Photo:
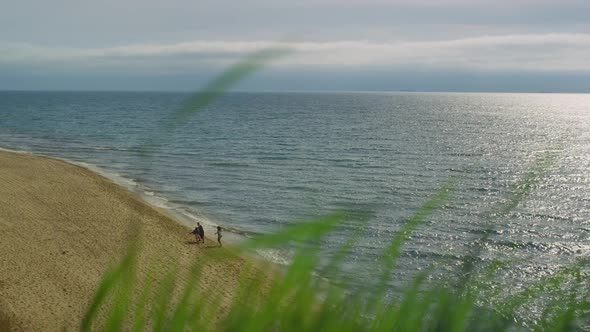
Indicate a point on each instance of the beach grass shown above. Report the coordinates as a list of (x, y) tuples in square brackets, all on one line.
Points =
[(297, 300)]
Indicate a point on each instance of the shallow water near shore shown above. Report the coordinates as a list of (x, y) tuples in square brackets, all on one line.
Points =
[(255, 162)]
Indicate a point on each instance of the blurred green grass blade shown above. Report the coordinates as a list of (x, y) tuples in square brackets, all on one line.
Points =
[(332, 269), (335, 261), (398, 316), (562, 316), (122, 299), (105, 286), (225, 81), (212, 90), (248, 291), (461, 313), (526, 185), (521, 189), (118, 311), (181, 311), (139, 313), (330, 310), (162, 302), (483, 283), (294, 282), (392, 252), (108, 284), (534, 291), (210, 311)]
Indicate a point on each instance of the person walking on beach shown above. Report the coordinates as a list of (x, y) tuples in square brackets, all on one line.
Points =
[(197, 235), (201, 232), (218, 232)]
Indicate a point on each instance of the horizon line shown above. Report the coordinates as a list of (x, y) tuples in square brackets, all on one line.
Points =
[(298, 91)]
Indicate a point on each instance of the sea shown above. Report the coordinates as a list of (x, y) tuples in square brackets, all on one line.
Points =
[(516, 168)]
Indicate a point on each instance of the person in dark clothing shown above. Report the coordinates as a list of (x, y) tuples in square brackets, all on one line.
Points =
[(201, 232), (198, 237)]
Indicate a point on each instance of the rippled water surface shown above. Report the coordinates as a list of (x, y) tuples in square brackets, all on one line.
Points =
[(257, 162)]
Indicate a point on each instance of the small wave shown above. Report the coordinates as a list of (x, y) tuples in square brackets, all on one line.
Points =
[(558, 248), (118, 178), (155, 200), (229, 164), (466, 154), (463, 170), (543, 216), (271, 158), (433, 255), (188, 202), (242, 232), (102, 148)]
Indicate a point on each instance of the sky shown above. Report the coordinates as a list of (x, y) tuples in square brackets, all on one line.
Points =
[(372, 45)]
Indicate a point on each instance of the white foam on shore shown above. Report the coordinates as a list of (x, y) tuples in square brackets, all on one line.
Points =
[(119, 179), (17, 151), (276, 256)]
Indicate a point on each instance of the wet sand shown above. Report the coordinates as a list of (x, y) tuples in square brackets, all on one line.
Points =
[(62, 226)]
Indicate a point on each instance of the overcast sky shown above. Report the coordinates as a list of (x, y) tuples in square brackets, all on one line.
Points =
[(442, 45)]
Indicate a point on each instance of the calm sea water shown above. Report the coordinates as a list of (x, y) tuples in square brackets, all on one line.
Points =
[(257, 162)]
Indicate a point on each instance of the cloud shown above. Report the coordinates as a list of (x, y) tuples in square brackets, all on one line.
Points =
[(442, 3), (380, 3), (539, 52)]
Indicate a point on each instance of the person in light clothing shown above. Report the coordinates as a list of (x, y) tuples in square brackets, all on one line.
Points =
[(218, 232)]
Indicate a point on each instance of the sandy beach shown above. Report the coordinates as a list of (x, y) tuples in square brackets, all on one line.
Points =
[(62, 226)]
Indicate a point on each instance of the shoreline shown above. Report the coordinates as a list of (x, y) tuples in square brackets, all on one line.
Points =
[(231, 235), (146, 194), (63, 225)]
